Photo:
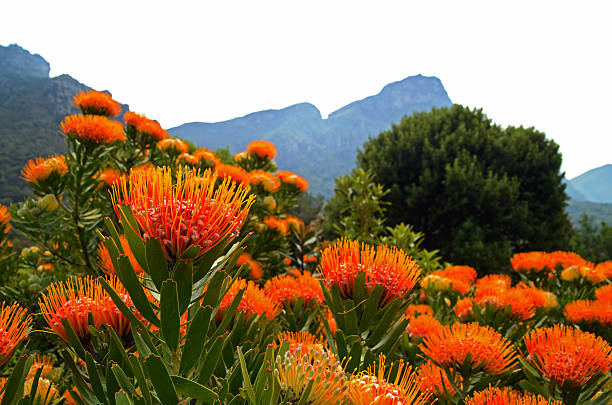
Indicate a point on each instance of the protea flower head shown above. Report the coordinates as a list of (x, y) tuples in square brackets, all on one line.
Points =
[(97, 103), (507, 396), (14, 327)]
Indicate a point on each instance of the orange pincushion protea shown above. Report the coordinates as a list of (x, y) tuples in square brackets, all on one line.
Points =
[(44, 362), (287, 288), (466, 274), (187, 159), (240, 155), (302, 339), (604, 293), (106, 264), (14, 327), (450, 345), (563, 353), (590, 312), (434, 380), (418, 309), (605, 268), (531, 261), (389, 267), (254, 301), (256, 270), (173, 145), (267, 180), (41, 169), (494, 280), (191, 213), (145, 126), (5, 217), (92, 129), (463, 308), (374, 388), (46, 391), (298, 225), (507, 396), (441, 281), (97, 103), (109, 176), (422, 326), (276, 223), (208, 156), (294, 179), (235, 173), (262, 149), (568, 259)]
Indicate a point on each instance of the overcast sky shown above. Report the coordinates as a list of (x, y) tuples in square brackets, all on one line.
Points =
[(532, 63)]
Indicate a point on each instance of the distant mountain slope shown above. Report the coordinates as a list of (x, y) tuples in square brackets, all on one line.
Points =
[(573, 192), (601, 212), (595, 185), (32, 104), (321, 149)]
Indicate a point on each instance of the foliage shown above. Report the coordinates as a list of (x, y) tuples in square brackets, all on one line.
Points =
[(592, 241), (479, 192)]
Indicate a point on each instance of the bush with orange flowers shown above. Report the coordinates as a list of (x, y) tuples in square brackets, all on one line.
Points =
[(97, 103)]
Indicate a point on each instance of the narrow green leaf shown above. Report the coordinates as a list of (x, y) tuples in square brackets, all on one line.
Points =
[(132, 234), (211, 359), (121, 305), (75, 342), (161, 380), (350, 318), (195, 338), (141, 379), (130, 281), (211, 296), (229, 314), (192, 389), (34, 386), (306, 393), (121, 398), (94, 379), (246, 378), (183, 275), (371, 307), (156, 262), (110, 226), (112, 386), (169, 311), (123, 380)]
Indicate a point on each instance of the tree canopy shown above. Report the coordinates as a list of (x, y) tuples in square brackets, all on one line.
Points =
[(479, 192)]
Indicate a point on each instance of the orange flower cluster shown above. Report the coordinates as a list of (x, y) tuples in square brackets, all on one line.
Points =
[(14, 327), (109, 176), (279, 224), (173, 145), (542, 261), (605, 268), (591, 312), (288, 289), (208, 156), (302, 339), (563, 353), (41, 169), (459, 278), (389, 267), (92, 129), (422, 326), (298, 225), (5, 217), (145, 126), (507, 396), (262, 149), (494, 281), (450, 345), (97, 103), (267, 180), (291, 178), (106, 264), (235, 173), (256, 270), (46, 391), (76, 299), (254, 301), (187, 159), (44, 362), (191, 213), (604, 293), (376, 388), (464, 308), (418, 309), (434, 380), (240, 155)]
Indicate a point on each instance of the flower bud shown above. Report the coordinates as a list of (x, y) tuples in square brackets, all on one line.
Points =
[(48, 203)]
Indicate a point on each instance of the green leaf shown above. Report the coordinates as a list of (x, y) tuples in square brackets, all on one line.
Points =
[(112, 386), (350, 318), (110, 226), (211, 359), (94, 379), (246, 379), (132, 234), (74, 340), (130, 281), (141, 379), (170, 318), (123, 380), (121, 398), (229, 313), (389, 313), (211, 296), (183, 275), (191, 252), (306, 393), (192, 389), (156, 262), (161, 380), (195, 338), (371, 307)]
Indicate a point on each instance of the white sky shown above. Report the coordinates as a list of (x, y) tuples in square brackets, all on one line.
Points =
[(546, 64)]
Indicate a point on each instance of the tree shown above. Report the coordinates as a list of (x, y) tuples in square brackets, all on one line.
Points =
[(478, 191)]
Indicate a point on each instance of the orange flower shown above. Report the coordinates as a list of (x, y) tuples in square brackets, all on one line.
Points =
[(563, 353), (280, 225), (208, 156), (97, 103), (191, 213), (14, 327), (46, 392), (302, 339), (44, 362), (235, 173), (41, 169), (589, 311), (466, 274), (289, 289), (297, 224), (291, 178), (173, 145), (605, 268), (287, 261), (450, 345), (92, 129), (105, 263), (376, 388), (441, 281), (240, 155), (422, 326), (254, 301), (187, 159), (267, 180), (494, 280), (389, 267), (147, 127), (256, 270), (568, 259), (507, 396), (109, 176), (5, 217), (262, 149), (604, 293), (418, 309), (435, 381), (593, 274)]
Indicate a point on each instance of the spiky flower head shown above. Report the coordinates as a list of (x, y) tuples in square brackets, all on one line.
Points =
[(187, 159), (590, 312), (92, 129), (192, 212), (207, 156), (40, 170), (109, 176), (422, 326), (277, 224), (254, 301), (235, 173), (41, 362), (149, 129), (414, 310), (5, 217), (434, 380), (382, 265), (14, 327), (289, 288), (97, 103), (256, 271), (464, 308), (507, 396), (294, 179), (494, 280), (565, 354), (450, 345), (262, 149), (267, 180), (46, 391), (173, 145), (106, 264), (604, 293), (375, 387)]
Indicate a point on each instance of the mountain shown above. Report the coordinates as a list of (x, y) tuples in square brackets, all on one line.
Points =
[(595, 185), (32, 104), (317, 148)]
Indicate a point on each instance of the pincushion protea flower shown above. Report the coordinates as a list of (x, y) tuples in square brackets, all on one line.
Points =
[(450, 345), (145, 126), (46, 391), (414, 310), (302, 339), (494, 280), (464, 308), (563, 353), (97, 103), (187, 159), (375, 388), (434, 380), (286, 288), (604, 293), (422, 326), (106, 264), (235, 173), (44, 362), (507, 396), (191, 213), (109, 176), (276, 223), (291, 178), (173, 145), (5, 217), (254, 301), (254, 266), (267, 180), (309, 361), (382, 265), (14, 327), (208, 156), (41, 169), (262, 149), (92, 129), (590, 312)]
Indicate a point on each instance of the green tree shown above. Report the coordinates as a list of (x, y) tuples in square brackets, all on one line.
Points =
[(592, 241), (478, 191)]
